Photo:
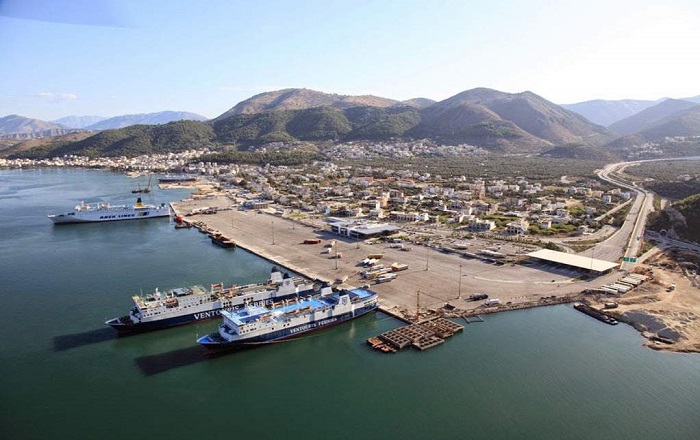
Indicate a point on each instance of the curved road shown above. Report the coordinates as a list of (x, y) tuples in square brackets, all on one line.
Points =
[(629, 236)]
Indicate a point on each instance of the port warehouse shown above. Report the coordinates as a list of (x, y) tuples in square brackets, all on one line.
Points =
[(586, 264), (361, 231)]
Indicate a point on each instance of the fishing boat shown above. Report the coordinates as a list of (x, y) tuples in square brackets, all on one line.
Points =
[(145, 190)]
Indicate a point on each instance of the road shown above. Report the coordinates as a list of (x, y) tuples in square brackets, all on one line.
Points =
[(629, 236)]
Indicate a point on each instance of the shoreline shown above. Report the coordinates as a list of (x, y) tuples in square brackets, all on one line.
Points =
[(432, 289)]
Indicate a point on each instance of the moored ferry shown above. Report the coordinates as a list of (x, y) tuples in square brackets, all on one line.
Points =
[(259, 325), (185, 305), (177, 178), (104, 212)]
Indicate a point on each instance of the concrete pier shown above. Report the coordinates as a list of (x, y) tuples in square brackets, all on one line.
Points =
[(441, 278)]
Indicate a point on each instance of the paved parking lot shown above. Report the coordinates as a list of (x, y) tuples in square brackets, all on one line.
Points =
[(439, 277)]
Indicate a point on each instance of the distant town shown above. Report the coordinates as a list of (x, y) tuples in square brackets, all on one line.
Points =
[(508, 205)]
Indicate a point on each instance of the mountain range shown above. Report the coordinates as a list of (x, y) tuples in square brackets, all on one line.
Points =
[(20, 127), (652, 116), (79, 121), (606, 113), (496, 121), (144, 119)]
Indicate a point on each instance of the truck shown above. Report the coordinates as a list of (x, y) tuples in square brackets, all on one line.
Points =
[(385, 278), (375, 256), (478, 296), (397, 267), (492, 302)]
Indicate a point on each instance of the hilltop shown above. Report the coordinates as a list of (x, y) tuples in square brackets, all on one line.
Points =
[(650, 117), (300, 99), (20, 127), (507, 122), (605, 112), (494, 121)]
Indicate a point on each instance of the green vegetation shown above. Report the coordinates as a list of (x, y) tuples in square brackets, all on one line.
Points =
[(645, 247), (534, 169), (555, 229), (386, 123), (683, 217), (289, 158), (673, 179), (317, 124), (551, 246), (133, 141)]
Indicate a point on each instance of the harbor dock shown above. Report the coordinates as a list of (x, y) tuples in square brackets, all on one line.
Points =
[(307, 247)]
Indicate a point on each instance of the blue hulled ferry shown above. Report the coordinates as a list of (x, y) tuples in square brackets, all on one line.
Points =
[(260, 325)]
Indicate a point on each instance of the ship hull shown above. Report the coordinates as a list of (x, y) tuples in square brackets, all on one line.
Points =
[(65, 220), (219, 344), (124, 326), (176, 179)]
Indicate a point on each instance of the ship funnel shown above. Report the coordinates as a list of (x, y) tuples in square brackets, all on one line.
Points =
[(139, 203)]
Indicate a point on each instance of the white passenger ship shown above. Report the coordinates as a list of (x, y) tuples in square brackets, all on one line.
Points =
[(104, 212), (185, 305), (259, 325)]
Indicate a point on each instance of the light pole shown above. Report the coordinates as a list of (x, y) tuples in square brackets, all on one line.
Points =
[(459, 289), (336, 255), (427, 264)]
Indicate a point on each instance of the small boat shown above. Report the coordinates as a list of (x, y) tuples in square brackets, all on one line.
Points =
[(145, 190)]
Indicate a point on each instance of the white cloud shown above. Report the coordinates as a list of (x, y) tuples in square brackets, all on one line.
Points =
[(54, 97)]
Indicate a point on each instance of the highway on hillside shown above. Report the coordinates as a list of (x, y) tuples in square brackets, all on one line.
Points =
[(629, 236)]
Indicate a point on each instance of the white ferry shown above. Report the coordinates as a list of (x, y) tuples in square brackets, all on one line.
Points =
[(259, 325), (104, 212), (185, 305)]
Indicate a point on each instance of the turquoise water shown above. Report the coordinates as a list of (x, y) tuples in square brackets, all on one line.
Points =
[(548, 373)]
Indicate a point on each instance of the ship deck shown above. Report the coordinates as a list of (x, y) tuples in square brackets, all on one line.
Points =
[(254, 313)]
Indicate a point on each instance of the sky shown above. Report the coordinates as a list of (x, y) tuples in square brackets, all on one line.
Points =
[(115, 57)]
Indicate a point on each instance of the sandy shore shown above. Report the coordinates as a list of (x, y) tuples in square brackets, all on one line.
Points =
[(666, 309)]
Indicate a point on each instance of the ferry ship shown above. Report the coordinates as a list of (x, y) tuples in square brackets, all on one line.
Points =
[(104, 212), (259, 325), (185, 305), (177, 179)]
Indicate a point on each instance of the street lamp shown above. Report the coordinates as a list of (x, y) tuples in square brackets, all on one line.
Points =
[(273, 232), (459, 289), (427, 265)]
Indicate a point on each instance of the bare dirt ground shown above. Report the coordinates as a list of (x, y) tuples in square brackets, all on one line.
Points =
[(665, 309)]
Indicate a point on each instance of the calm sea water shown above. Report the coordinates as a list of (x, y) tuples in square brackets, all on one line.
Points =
[(549, 373)]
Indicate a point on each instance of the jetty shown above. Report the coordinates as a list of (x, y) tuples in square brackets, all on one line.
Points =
[(424, 335)]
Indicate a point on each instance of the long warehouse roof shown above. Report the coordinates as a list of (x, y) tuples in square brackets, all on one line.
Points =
[(573, 260)]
